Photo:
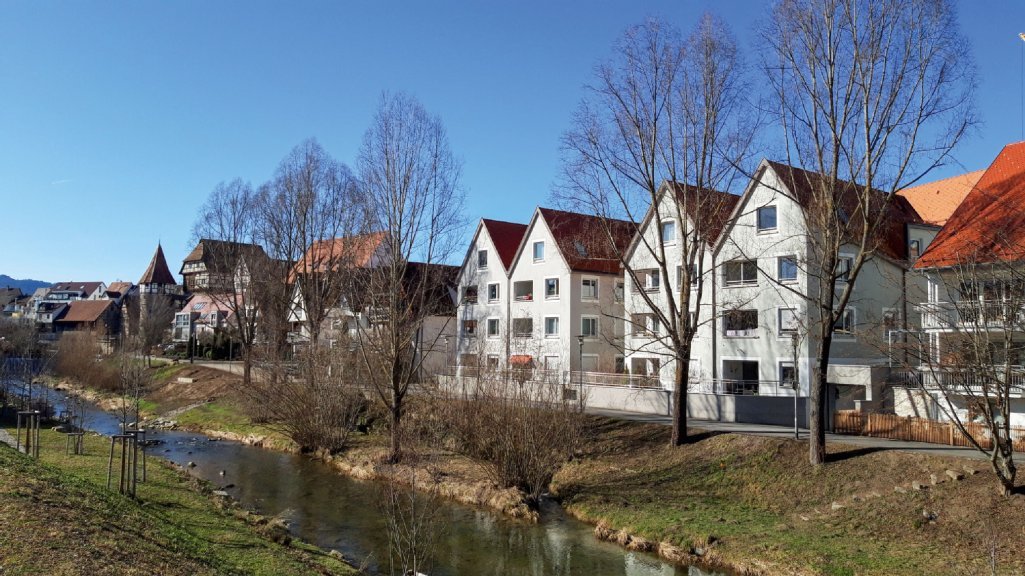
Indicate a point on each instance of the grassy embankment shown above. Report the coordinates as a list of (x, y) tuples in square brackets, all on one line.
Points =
[(58, 518), (749, 503)]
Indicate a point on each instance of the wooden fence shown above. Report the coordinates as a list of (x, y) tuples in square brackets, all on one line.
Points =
[(897, 427)]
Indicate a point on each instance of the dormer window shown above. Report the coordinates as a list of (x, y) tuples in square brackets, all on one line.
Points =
[(914, 249), (482, 259), (766, 217)]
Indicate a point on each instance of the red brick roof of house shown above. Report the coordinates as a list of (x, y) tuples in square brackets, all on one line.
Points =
[(351, 251), (506, 236), (85, 311), (119, 288), (892, 232), (86, 288), (157, 272), (589, 243), (989, 225), (711, 207), (936, 201)]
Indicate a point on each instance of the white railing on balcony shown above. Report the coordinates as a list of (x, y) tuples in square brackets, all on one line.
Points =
[(613, 379), (960, 380), (972, 314), (730, 387)]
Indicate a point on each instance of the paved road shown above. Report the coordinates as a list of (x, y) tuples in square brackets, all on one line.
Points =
[(865, 443)]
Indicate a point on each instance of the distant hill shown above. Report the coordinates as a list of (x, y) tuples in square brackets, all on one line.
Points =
[(27, 286)]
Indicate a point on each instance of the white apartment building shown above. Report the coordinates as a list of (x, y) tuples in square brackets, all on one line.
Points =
[(766, 331), (647, 344), (556, 305), (485, 295)]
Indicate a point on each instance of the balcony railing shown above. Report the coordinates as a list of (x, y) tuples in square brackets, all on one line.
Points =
[(973, 313), (965, 381), (614, 379)]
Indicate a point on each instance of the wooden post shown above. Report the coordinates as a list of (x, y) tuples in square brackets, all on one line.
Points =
[(110, 461)]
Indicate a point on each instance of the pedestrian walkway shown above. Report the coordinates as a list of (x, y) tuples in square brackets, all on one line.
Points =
[(863, 442)]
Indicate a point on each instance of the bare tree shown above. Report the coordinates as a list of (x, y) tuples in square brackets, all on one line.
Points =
[(228, 224), (871, 92), (664, 127), (409, 183)]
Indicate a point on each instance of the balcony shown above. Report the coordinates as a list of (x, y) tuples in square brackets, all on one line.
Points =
[(972, 314), (961, 381)]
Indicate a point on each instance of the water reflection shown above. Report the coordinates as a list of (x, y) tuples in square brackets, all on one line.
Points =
[(339, 513)]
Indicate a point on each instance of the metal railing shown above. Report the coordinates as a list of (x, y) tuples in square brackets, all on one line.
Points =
[(729, 387), (615, 379), (972, 313), (960, 380)]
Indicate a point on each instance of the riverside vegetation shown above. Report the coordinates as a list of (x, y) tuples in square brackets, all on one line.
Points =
[(748, 504)]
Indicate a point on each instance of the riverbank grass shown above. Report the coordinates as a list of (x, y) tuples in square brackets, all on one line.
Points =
[(59, 519)]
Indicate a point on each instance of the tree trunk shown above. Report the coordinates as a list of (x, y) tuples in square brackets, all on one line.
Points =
[(247, 369), (817, 402), (1003, 466), (395, 452), (680, 397)]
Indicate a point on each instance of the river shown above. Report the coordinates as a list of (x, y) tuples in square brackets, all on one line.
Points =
[(335, 512)]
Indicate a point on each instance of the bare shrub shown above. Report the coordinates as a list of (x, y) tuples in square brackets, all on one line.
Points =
[(317, 406), (413, 525), (521, 430), (78, 358)]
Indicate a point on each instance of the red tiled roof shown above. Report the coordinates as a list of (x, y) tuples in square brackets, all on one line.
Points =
[(350, 251), (584, 240), (119, 288), (86, 310), (989, 226), (892, 234), (710, 207), (157, 272), (506, 236), (936, 201)]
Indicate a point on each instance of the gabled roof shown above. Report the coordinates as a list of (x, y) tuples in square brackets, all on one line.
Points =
[(584, 240), (157, 272), (350, 251), (706, 205), (8, 295), (936, 201), (220, 256), (989, 226), (506, 236), (119, 288), (83, 287), (85, 310), (204, 303), (892, 235)]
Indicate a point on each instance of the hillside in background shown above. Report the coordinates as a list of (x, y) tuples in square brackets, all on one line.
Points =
[(27, 286)]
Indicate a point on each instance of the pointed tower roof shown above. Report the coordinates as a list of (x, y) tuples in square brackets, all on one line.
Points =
[(158, 272)]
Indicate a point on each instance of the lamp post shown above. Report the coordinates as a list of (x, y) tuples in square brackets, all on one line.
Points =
[(580, 373)]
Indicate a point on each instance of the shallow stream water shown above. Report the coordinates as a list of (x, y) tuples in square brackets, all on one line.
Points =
[(335, 512)]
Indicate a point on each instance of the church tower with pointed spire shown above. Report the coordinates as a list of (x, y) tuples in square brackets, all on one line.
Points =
[(158, 297)]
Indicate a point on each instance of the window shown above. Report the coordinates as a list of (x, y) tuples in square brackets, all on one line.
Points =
[(551, 326), (492, 361), (620, 365), (620, 290), (787, 321), (492, 327), (668, 231), (787, 374), (843, 268), (539, 251), (470, 294), (845, 324), (645, 325), (493, 292), (523, 290), (914, 249), (589, 327), (741, 273), (741, 323), (766, 217), (482, 259), (891, 318), (523, 327), (469, 327), (786, 268), (551, 288), (693, 275), (652, 280), (552, 362), (589, 289)]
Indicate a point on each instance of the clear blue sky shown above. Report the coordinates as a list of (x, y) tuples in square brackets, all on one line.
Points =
[(118, 118)]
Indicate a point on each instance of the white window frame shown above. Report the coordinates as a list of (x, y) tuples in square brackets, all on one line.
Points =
[(779, 269), (653, 280), (662, 227), (849, 334), (758, 219), (545, 361), (498, 292), (498, 327), (582, 284), (779, 322), (693, 275), (483, 253), (534, 250), (743, 264), (747, 332), (597, 327), (548, 334), (557, 289), (843, 278), (620, 291)]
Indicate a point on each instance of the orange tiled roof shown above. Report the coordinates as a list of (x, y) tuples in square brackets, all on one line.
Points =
[(936, 201), (989, 225), (324, 255)]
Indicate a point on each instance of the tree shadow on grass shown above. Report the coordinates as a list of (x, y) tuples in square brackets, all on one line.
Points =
[(697, 435), (854, 453)]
